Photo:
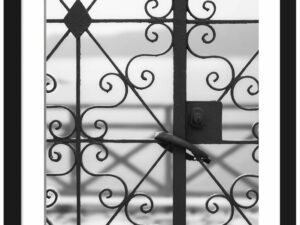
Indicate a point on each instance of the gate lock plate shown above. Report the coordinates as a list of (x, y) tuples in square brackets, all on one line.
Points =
[(204, 122)]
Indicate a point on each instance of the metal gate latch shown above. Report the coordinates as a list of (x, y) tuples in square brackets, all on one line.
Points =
[(167, 140)]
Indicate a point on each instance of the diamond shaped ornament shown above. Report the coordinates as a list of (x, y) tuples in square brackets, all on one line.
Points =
[(77, 20)]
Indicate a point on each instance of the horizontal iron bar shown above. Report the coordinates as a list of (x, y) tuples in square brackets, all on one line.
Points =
[(238, 142), (139, 141), (192, 200), (158, 20), (154, 106), (68, 140), (154, 126), (221, 21), (162, 20), (55, 21)]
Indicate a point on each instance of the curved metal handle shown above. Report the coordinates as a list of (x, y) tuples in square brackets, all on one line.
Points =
[(168, 140)]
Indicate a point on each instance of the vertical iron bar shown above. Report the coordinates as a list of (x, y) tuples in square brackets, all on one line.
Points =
[(179, 168), (78, 125)]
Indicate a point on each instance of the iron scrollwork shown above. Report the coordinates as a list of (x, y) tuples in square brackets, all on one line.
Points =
[(154, 4), (151, 36), (107, 86), (108, 193), (144, 208), (51, 83), (51, 196), (252, 90), (214, 77), (57, 125), (147, 77), (255, 134), (251, 195), (210, 201), (208, 37), (55, 155), (207, 5)]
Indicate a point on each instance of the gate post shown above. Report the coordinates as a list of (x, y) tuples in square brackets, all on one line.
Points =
[(179, 60)]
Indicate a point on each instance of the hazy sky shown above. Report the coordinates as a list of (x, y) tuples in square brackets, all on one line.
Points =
[(226, 9)]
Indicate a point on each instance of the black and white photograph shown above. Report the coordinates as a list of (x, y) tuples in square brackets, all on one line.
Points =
[(152, 112), (149, 112)]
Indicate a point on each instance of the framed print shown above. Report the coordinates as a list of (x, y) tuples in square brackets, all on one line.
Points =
[(129, 93), (148, 111)]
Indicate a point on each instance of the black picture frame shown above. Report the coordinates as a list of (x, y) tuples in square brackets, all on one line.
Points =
[(12, 112), (288, 112)]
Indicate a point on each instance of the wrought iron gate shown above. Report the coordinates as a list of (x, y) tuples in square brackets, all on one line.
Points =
[(76, 129)]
